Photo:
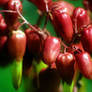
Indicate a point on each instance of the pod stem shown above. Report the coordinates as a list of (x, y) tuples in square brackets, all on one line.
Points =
[(70, 88), (67, 87), (17, 73)]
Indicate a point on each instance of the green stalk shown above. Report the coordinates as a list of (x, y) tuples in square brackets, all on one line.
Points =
[(17, 73), (67, 87)]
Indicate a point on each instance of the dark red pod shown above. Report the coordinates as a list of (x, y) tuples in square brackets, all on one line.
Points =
[(51, 49), (17, 44), (80, 18), (88, 4), (84, 62), (27, 62), (65, 66), (3, 40), (3, 25), (49, 80), (62, 6), (86, 38), (34, 42), (41, 4), (63, 25), (14, 5), (3, 2), (12, 18)]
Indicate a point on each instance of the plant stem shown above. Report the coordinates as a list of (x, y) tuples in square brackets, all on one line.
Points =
[(17, 73), (8, 11), (67, 87)]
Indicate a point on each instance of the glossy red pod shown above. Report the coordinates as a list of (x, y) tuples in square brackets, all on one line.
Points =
[(84, 62), (63, 25), (65, 66), (80, 18), (3, 25), (41, 4), (3, 2), (86, 38), (17, 44), (12, 18), (34, 42), (51, 49), (62, 6), (14, 5)]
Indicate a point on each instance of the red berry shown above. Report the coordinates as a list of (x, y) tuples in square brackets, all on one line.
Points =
[(84, 62), (17, 44), (86, 38), (51, 49), (65, 66), (80, 18)]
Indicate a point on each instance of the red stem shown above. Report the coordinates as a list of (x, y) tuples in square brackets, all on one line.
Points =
[(8, 11)]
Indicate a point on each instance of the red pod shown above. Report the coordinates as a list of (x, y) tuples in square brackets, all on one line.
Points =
[(34, 42), (88, 4), (3, 25), (51, 49), (3, 2), (3, 40), (86, 38), (84, 62), (65, 66), (12, 18), (17, 44), (63, 28), (49, 80), (62, 6), (41, 4), (27, 62), (14, 5), (80, 18)]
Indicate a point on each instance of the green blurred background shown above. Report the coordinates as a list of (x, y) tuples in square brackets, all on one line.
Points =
[(30, 13)]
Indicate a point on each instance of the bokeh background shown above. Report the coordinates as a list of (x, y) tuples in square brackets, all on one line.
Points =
[(30, 13)]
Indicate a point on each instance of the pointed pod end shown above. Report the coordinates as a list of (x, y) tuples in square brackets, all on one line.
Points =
[(17, 74)]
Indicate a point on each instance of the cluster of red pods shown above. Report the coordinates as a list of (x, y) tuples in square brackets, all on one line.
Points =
[(67, 53)]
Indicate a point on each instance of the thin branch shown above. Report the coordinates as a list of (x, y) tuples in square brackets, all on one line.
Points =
[(8, 11)]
